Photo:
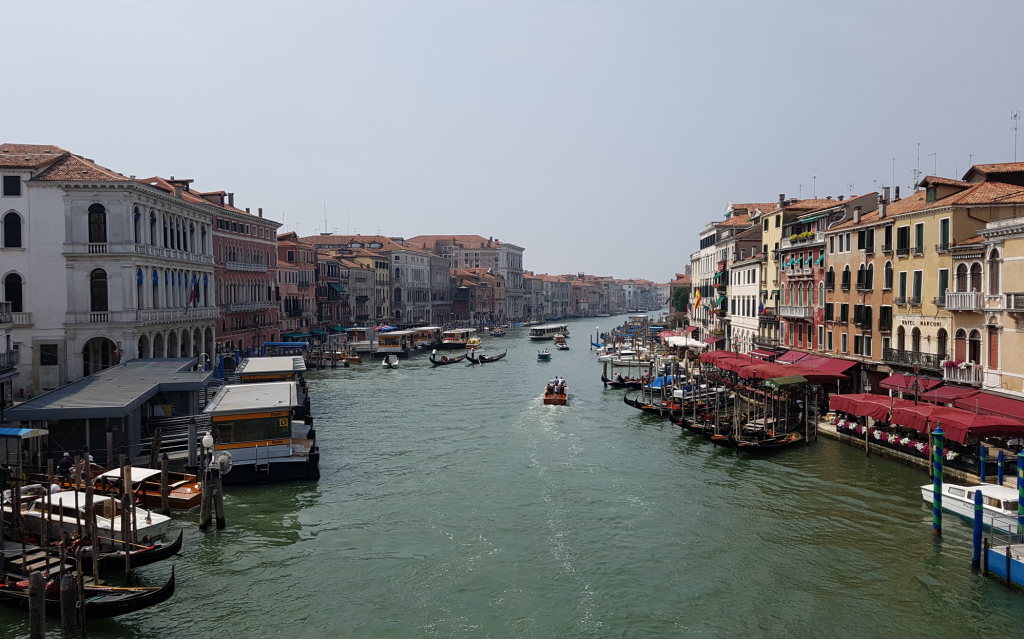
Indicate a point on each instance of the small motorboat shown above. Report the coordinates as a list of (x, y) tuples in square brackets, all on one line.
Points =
[(390, 361), (498, 332), (445, 360), (556, 394), (473, 342), (999, 503), (543, 355)]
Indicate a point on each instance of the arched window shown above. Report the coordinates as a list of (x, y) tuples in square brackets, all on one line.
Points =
[(398, 295), (846, 278), (869, 281), (97, 354), (961, 278), (915, 340), (98, 291), (993, 274), (993, 347), (139, 291), (862, 278), (166, 230), (888, 276), (137, 221), (97, 224), (901, 339), (152, 228), (975, 278), (960, 342), (821, 295), (192, 237), (974, 347), (12, 230), (942, 343), (12, 292)]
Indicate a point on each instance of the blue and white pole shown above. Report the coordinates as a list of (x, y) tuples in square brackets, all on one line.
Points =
[(937, 453), (979, 523), (982, 458)]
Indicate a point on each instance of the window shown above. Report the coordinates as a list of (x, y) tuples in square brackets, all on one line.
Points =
[(930, 194), (829, 307), (993, 274), (918, 280), (888, 277), (919, 235), (993, 347), (830, 345), (903, 285), (840, 249), (97, 224), (821, 295), (903, 238), (13, 292), (866, 346), (98, 291), (12, 230), (848, 235), (944, 233), (885, 318), (12, 186), (943, 285), (821, 337), (778, 220), (844, 340), (832, 244), (766, 225), (885, 343), (858, 342), (844, 312)]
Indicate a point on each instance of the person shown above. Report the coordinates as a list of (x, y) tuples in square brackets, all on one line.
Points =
[(54, 489), (65, 465)]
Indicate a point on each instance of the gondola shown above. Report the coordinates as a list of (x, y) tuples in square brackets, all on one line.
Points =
[(101, 602), (661, 410), (143, 557), (627, 383), (471, 359), (770, 444), (487, 360), (445, 360)]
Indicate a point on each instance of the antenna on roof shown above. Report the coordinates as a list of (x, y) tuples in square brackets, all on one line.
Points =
[(849, 187), (1015, 118), (325, 214), (814, 186), (935, 162), (894, 171)]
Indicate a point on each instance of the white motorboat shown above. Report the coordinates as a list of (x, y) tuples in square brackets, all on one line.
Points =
[(999, 510), (390, 361), (62, 517)]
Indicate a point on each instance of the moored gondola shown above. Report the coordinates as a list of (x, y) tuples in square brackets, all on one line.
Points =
[(143, 557), (101, 602), (445, 360), (471, 357), (626, 382), (770, 444)]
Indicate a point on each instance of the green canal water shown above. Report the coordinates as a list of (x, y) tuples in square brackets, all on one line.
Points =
[(454, 504)]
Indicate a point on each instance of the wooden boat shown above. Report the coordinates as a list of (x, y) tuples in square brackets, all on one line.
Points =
[(627, 383), (471, 357), (390, 361), (556, 399), (487, 360), (770, 444), (543, 355), (445, 360), (498, 333), (185, 492), (101, 602), (112, 560)]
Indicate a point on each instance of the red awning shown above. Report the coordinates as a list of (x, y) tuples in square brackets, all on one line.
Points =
[(895, 382), (757, 352), (988, 404), (916, 417), (790, 356), (833, 365), (961, 425), (814, 361), (689, 329), (946, 394), (863, 405), (712, 339)]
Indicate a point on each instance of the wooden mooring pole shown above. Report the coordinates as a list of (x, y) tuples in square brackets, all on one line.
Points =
[(68, 607), (36, 605), (165, 486)]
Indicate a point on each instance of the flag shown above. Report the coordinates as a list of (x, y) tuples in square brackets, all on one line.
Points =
[(193, 295), (696, 299), (760, 307)]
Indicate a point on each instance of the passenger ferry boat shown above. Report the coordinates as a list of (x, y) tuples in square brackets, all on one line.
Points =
[(457, 338), (254, 423), (548, 331), (999, 507), (397, 342), (426, 337), (259, 370)]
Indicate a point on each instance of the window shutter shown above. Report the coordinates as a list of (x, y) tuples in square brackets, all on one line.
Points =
[(860, 240), (867, 316)]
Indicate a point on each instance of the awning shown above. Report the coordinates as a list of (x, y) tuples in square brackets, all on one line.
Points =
[(296, 335), (138, 474), (711, 339), (988, 404), (815, 362), (833, 365), (895, 382), (775, 293), (821, 258), (689, 329), (862, 405), (338, 329), (23, 433), (790, 357), (318, 331), (946, 394), (757, 352), (789, 380), (336, 286)]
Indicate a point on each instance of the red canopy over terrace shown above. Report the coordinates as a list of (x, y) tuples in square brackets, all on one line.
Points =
[(863, 405), (766, 370), (897, 382)]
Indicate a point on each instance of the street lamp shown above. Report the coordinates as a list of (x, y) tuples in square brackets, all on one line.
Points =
[(916, 387)]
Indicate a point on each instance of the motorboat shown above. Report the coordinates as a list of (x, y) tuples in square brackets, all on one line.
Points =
[(473, 342), (543, 355), (556, 395), (390, 361), (999, 503)]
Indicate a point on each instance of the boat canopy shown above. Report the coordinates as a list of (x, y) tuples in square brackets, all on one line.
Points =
[(138, 474), (268, 365), (253, 398), (783, 382)]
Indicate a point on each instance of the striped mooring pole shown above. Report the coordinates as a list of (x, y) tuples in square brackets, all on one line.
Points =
[(1020, 495), (979, 523), (1000, 463), (982, 458), (937, 453)]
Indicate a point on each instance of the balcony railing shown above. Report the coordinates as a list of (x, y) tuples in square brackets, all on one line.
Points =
[(902, 251), (5, 313), (918, 250), (939, 301), (819, 238), (887, 248), (244, 266), (240, 307), (160, 315), (97, 247), (1015, 302), (942, 248), (965, 301), (869, 250), (915, 300), (973, 375), (900, 301), (99, 318), (8, 359), (845, 286), (799, 312), (21, 319), (932, 361), (766, 341), (830, 285), (100, 248)]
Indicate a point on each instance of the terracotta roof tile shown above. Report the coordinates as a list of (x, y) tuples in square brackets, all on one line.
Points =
[(1004, 167), (977, 239), (78, 169), (28, 156), (935, 180)]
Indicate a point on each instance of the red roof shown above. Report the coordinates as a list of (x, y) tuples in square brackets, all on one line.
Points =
[(791, 357), (29, 156), (834, 365)]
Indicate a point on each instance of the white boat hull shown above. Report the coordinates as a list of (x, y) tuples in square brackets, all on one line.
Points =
[(994, 518)]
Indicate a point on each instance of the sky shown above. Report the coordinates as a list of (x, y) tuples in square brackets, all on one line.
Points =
[(598, 135)]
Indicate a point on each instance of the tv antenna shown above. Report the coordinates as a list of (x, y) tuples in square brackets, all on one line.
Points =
[(935, 162), (325, 216), (894, 171), (1015, 118), (814, 186), (849, 187)]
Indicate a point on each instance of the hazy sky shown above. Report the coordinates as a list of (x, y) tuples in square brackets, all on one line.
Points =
[(599, 135)]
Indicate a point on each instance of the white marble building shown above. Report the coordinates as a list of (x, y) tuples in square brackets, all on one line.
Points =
[(108, 268)]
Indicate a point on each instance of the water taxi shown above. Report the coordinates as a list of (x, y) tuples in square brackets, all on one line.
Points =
[(548, 331), (457, 338), (397, 342), (543, 355), (426, 337), (999, 505), (254, 424), (259, 370), (473, 342), (184, 491), (556, 395)]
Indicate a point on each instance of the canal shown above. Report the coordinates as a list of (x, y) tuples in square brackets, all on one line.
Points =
[(454, 504)]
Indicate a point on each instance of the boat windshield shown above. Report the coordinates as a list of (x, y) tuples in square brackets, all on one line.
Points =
[(1011, 506), (251, 428)]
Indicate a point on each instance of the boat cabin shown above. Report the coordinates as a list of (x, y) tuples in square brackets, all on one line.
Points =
[(457, 338), (253, 422), (426, 336), (278, 349), (397, 342), (548, 331)]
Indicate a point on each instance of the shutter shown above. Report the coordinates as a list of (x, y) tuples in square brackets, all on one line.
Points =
[(828, 311), (869, 240), (860, 240), (867, 316), (993, 348)]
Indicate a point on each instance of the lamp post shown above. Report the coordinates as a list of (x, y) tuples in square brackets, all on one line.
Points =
[(916, 387)]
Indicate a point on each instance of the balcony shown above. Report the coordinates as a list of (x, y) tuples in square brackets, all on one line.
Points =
[(903, 251), (164, 315), (8, 359), (971, 375), (861, 286), (5, 313), (766, 341), (122, 248), (21, 319), (900, 301), (797, 312), (886, 327), (243, 266), (99, 318), (830, 285), (939, 301), (942, 248), (819, 238), (918, 251), (1015, 302), (965, 301), (244, 307), (931, 361), (845, 286), (887, 248), (869, 250), (915, 300)]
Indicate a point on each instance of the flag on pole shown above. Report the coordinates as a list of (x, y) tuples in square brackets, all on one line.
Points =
[(760, 307), (696, 299)]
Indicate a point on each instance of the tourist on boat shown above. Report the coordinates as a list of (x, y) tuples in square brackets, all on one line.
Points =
[(65, 465)]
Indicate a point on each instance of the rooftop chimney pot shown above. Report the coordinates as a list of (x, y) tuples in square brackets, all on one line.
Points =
[(177, 190), (261, 211), (231, 200)]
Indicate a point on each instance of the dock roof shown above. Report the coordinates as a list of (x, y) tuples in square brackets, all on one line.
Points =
[(113, 392), (265, 365), (253, 398)]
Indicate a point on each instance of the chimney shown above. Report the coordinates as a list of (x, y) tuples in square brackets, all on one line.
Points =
[(261, 211), (841, 198), (883, 202), (782, 199), (177, 190), (897, 198), (856, 215), (231, 200), (247, 209)]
